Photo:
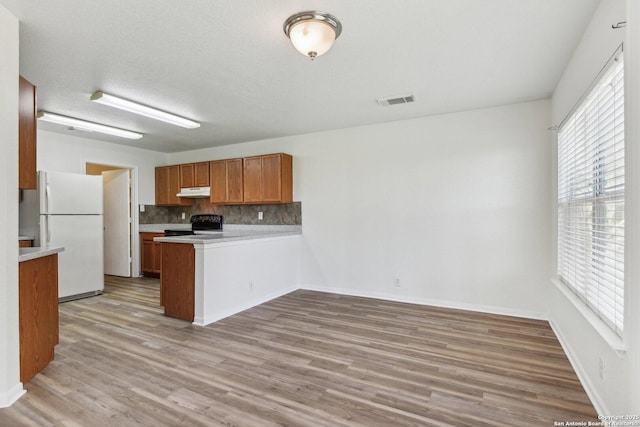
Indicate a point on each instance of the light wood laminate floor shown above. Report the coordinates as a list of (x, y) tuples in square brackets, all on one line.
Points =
[(305, 359)]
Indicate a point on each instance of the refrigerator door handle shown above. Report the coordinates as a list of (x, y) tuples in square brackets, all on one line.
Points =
[(47, 194), (47, 229)]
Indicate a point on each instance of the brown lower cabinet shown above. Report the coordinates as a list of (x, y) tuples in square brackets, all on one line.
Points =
[(25, 243), (177, 280), (38, 307), (150, 254)]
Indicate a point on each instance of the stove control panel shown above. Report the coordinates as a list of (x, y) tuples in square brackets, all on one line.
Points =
[(206, 222)]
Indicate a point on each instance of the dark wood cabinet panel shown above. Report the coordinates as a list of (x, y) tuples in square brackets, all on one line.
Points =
[(271, 179), (38, 307), (234, 180), (252, 175), (162, 186), (150, 254), (286, 177), (25, 243), (146, 255), (27, 176), (168, 185), (186, 175), (226, 181), (268, 179), (156, 264), (174, 188), (218, 177), (177, 280), (194, 175), (201, 174)]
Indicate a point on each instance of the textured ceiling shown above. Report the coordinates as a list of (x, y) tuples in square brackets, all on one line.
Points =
[(229, 65)]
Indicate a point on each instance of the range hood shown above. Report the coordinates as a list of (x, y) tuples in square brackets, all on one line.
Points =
[(195, 192)]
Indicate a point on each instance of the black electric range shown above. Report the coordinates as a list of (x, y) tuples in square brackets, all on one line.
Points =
[(200, 222)]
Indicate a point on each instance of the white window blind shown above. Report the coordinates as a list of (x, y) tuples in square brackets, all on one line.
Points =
[(591, 197)]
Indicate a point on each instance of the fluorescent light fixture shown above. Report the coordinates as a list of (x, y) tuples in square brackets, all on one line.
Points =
[(87, 126), (143, 110)]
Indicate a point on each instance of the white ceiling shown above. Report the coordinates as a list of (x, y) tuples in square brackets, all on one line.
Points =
[(229, 65)]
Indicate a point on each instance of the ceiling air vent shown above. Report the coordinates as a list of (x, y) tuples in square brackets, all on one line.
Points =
[(395, 101)]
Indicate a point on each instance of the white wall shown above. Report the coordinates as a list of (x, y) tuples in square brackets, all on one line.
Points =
[(614, 394), (454, 206), (10, 386), (66, 153)]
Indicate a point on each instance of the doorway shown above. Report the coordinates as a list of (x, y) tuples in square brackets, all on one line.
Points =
[(118, 224)]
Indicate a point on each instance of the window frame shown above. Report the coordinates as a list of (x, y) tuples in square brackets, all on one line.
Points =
[(593, 194)]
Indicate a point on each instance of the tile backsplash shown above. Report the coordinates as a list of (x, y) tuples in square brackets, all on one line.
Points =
[(280, 214)]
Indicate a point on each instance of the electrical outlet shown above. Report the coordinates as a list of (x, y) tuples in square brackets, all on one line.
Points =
[(260, 215), (141, 208), (601, 368), (184, 215), (396, 282)]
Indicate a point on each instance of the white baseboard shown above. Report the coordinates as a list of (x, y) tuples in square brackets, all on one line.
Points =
[(588, 386), (208, 319), (427, 301), (11, 396)]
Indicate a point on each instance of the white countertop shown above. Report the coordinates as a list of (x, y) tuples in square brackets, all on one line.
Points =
[(212, 237), (27, 254), (26, 238)]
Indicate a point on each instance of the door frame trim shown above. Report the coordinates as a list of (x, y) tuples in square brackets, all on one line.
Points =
[(135, 227)]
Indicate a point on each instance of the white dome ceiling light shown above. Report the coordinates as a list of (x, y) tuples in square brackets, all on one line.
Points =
[(312, 33)]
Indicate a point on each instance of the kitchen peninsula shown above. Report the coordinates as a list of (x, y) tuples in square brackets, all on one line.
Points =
[(207, 277)]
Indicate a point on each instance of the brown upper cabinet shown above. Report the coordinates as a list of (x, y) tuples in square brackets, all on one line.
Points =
[(268, 179), (168, 185), (234, 180), (252, 179), (226, 181), (162, 186), (27, 176), (194, 175), (249, 180)]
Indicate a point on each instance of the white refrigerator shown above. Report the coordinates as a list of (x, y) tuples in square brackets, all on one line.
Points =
[(67, 210)]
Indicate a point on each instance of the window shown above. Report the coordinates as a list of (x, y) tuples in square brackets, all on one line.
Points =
[(591, 197)]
